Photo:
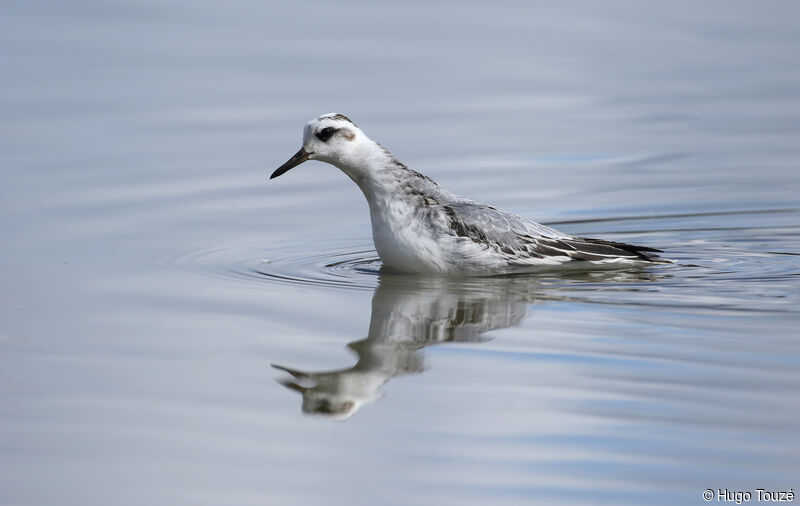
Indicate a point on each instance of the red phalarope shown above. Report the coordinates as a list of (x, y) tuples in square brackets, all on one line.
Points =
[(420, 227)]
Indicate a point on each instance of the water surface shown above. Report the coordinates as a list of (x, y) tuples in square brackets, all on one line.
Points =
[(174, 329)]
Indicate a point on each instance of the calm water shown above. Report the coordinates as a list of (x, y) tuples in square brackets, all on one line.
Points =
[(176, 330)]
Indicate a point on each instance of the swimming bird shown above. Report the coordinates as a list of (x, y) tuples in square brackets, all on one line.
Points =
[(420, 227)]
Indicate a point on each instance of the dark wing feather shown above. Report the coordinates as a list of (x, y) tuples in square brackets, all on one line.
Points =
[(522, 238), (584, 248)]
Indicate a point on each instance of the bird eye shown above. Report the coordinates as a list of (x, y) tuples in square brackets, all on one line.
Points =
[(326, 133)]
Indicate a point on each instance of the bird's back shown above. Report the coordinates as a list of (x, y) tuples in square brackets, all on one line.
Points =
[(435, 230)]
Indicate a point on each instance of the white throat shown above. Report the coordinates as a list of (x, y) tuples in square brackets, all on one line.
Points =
[(370, 166)]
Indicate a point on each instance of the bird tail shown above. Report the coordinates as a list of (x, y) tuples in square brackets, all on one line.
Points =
[(600, 249)]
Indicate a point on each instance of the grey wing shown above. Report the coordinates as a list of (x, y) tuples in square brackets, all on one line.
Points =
[(495, 227), (526, 241)]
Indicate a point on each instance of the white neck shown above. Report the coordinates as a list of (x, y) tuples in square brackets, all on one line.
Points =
[(372, 168)]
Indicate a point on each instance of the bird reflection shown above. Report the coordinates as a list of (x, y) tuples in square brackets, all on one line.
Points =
[(410, 313)]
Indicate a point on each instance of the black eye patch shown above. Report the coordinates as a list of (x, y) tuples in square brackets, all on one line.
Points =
[(325, 134)]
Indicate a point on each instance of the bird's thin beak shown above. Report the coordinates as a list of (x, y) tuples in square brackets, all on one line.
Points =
[(298, 158)]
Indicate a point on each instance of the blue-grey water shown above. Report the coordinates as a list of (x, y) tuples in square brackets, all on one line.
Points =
[(177, 330)]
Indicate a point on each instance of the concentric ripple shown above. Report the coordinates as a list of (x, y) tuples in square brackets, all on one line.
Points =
[(341, 264), (728, 262), (352, 267)]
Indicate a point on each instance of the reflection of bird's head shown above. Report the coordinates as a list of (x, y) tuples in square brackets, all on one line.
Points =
[(330, 406), (336, 395)]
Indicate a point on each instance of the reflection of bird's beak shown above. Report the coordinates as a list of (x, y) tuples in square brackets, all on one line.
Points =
[(298, 158), (291, 385)]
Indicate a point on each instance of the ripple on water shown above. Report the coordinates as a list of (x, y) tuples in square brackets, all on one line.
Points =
[(352, 267), (339, 264), (735, 268)]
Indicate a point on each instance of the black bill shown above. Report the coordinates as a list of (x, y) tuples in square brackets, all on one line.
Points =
[(298, 158)]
